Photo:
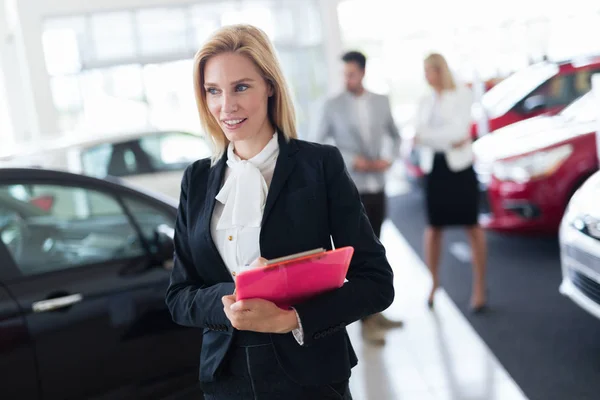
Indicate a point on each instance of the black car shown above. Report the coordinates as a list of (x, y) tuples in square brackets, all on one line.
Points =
[(84, 266)]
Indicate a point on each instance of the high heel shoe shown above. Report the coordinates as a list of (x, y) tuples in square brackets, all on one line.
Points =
[(480, 309), (483, 307), (431, 297)]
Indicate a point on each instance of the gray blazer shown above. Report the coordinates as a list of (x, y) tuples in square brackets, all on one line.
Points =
[(339, 125)]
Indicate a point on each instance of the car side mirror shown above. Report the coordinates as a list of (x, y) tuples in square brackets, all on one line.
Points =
[(163, 245), (535, 103)]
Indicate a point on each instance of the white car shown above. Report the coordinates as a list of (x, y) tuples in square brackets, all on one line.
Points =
[(580, 247), (151, 160)]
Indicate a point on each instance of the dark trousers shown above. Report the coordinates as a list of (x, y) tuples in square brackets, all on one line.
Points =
[(251, 372), (375, 206)]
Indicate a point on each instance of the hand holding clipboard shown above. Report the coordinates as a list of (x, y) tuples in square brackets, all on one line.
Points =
[(291, 279)]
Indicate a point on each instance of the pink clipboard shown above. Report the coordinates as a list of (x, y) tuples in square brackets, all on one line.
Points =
[(293, 281)]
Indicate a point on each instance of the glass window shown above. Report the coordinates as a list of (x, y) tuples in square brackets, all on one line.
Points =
[(95, 160), (170, 95), (583, 81), (64, 42), (137, 63), (61, 51), (112, 35), (174, 150), (51, 227), (556, 91), (114, 99), (502, 97), (162, 31), (117, 159), (66, 93), (149, 217)]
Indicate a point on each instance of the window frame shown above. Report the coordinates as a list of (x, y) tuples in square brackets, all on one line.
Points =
[(11, 272)]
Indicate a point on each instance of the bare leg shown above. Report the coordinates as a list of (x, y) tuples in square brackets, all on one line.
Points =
[(433, 251), (479, 256)]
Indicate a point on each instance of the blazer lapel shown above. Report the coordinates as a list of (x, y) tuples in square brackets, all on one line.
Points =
[(215, 179), (283, 167)]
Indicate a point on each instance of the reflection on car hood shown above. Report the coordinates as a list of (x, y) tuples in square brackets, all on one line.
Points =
[(529, 136)]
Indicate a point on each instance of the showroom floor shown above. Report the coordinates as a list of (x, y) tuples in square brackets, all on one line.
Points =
[(437, 355), (533, 343), (548, 345)]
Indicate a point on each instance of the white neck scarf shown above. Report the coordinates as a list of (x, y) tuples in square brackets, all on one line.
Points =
[(245, 192)]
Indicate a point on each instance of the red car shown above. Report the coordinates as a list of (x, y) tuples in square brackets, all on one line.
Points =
[(529, 170), (542, 88)]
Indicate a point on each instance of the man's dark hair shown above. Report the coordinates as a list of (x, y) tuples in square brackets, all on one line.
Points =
[(356, 57)]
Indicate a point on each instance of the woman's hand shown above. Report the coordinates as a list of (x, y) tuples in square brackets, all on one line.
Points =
[(461, 143), (381, 165), (259, 315), (361, 163)]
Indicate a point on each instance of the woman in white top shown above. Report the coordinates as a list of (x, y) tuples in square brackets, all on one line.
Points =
[(265, 194), (451, 188)]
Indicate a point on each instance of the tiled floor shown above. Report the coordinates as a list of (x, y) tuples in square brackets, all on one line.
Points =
[(436, 356)]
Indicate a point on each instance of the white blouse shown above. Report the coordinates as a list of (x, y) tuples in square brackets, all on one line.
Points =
[(236, 219), (441, 121), (235, 223)]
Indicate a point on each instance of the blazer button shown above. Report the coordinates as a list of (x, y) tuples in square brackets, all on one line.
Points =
[(233, 273), (230, 238)]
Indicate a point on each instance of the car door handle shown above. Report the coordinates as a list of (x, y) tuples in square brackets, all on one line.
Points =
[(57, 303)]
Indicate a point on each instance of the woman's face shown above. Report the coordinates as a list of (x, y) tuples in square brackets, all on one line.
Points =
[(237, 96), (432, 75)]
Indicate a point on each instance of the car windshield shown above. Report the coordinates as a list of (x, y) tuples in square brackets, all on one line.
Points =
[(502, 97), (583, 109), (174, 150)]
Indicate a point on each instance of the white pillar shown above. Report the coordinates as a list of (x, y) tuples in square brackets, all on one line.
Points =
[(7, 131), (332, 40), (32, 65)]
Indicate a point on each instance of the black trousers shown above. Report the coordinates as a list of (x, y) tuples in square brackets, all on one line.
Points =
[(375, 206), (251, 372)]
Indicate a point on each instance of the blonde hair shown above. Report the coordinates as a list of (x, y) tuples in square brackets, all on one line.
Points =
[(438, 62), (253, 43)]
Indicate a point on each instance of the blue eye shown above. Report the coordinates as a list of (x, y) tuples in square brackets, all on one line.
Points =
[(241, 88), (212, 91)]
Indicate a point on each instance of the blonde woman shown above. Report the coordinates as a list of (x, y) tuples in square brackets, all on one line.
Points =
[(265, 194), (451, 188)]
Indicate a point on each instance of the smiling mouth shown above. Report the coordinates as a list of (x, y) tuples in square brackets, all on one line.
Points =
[(232, 123)]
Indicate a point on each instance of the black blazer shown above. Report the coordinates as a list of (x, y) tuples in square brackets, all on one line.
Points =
[(311, 198)]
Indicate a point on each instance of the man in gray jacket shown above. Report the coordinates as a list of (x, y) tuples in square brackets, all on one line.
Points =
[(360, 124)]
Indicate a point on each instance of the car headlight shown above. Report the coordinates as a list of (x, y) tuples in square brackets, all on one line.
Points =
[(581, 212), (574, 213), (535, 165)]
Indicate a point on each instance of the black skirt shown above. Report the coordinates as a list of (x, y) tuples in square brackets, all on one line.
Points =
[(451, 198)]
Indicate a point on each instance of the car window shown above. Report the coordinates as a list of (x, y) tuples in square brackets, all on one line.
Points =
[(556, 91), (95, 160), (149, 217), (582, 82), (118, 159), (73, 227), (503, 96), (171, 151)]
